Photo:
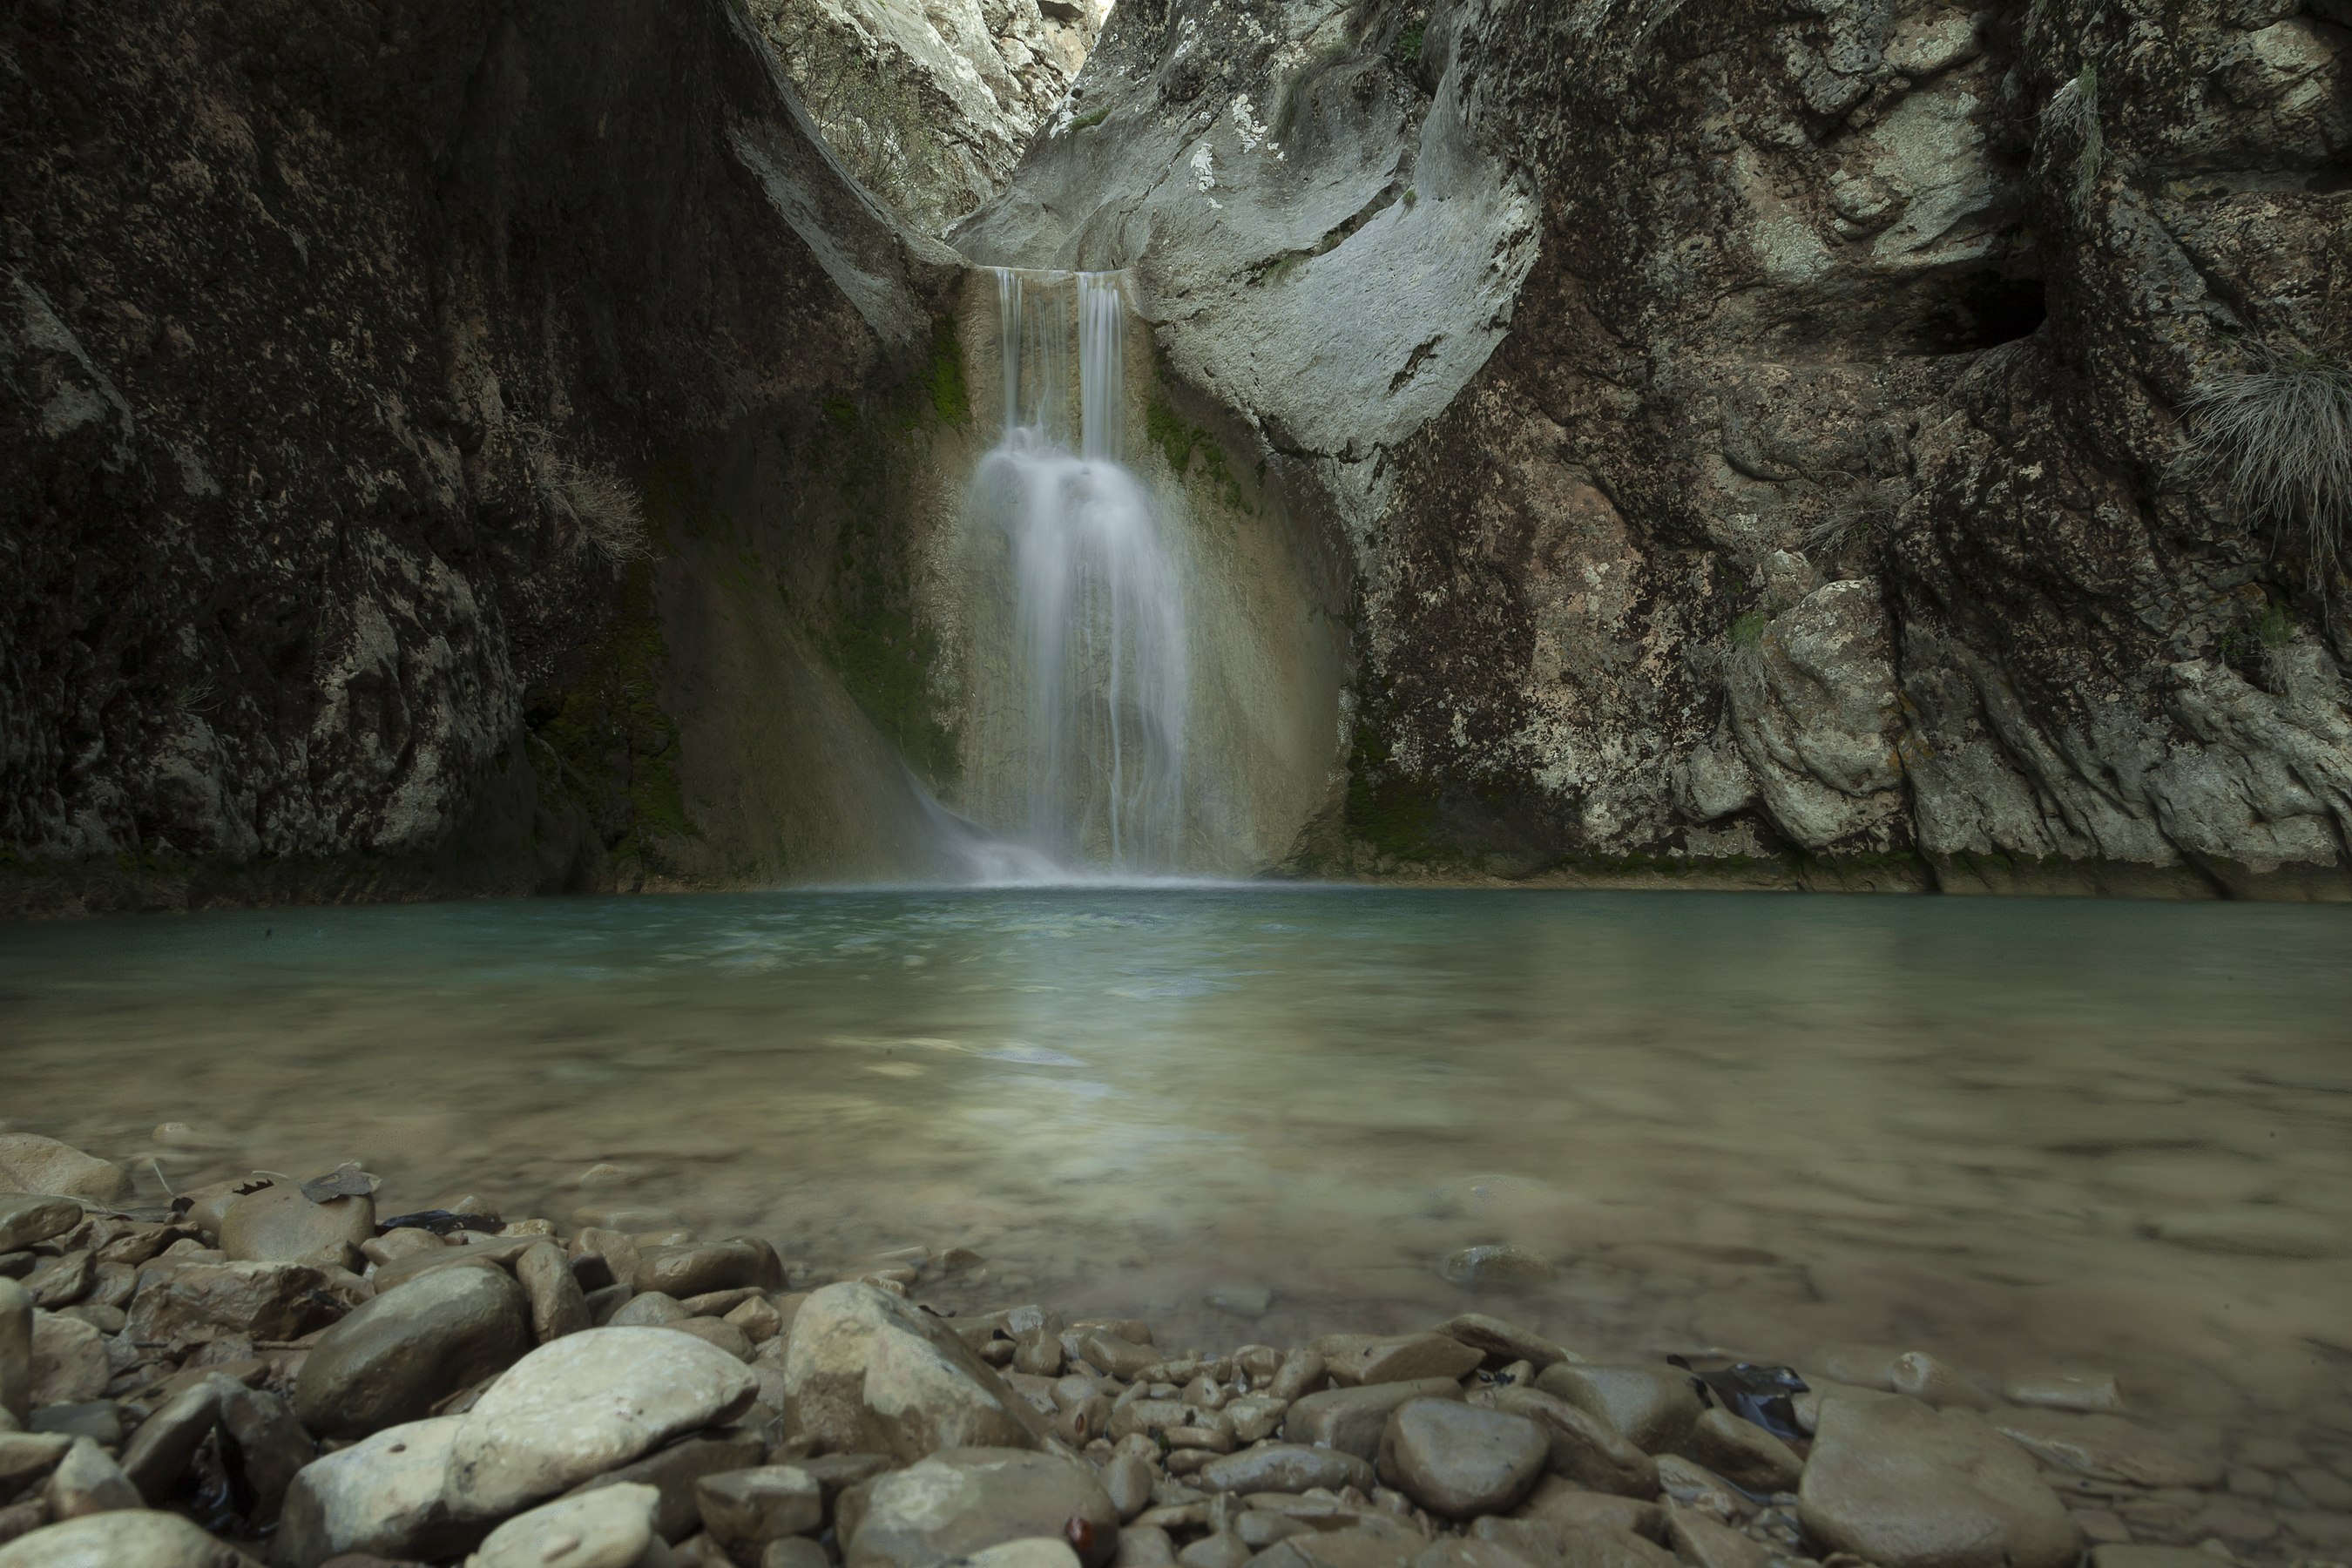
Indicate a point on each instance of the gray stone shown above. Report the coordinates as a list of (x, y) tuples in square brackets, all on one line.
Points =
[(61, 1281), (1285, 1468), (1653, 1406), (270, 1443), (1127, 1482), (1562, 1504), (1031, 1552), (1584, 1449), (1355, 1547), (1741, 1452), (386, 1496), (85, 1482), (27, 1218), (584, 1405), (394, 1358), (32, 1163), (650, 1310), (558, 1305), (99, 1420), (684, 1272), (159, 1452), (26, 1457), (70, 1362), (2114, 1447), (1686, 1484), (132, 1539), (195, 1302), (609, 1528), (1460, 1460), (15, 1353), (1365, 1359), (745, 1509), (866, 1371), (476, 1252), (1144, 1546), (1496, 1266), (717, 1333), (674, 1472), (1501, 1342), (1907, 1487), (796, 1551), (963, 1501), (279, 1225), (2087, 1391), (1703, 1542), (1352, 1419), (1301, 1373), (2125, 1555)]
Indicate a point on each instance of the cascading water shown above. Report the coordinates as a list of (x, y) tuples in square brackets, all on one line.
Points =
[(1081, 702)]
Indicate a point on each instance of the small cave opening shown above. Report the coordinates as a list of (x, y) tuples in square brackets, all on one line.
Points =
[(1974, 311)]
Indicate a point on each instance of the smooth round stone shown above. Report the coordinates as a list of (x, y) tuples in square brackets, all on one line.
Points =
[(2091, 1393), (279, 1225), (385, 1496), (1923, 1377), (86, 1481), (718, 1333), (15, 1353), (1460, 1460), (134, 1538), (1585, 1449), (1285, 1468), (396, 1356), (1907, 1487), (586, 1403), (608, 1528), (32, 1163), (1653, 1406), (68, 1361), (1743, 1453), (964, 1500), (1481, 1266), (650, 1310), (867, 1372), (1127, 1482), (1032, 1551), (558, 1305), (745, 1509), (27, 1218)]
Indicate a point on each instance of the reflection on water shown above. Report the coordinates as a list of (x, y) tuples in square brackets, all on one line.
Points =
[(2017, 1134)]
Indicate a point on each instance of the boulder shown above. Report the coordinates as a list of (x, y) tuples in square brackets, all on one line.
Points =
[(15, 1353), (964, 1500), (1585, 1449), (392, 1358), (32, 1163), (27, 1218), (584, 1405), (866, 1372), (1284, 1468), (1460, 1460), (610, 1528), (1655, 1407), (1907, 1487), (1352, 1419), (385, 1496), (558, 1305), (676, 1469), (1365, 1359), (277, 1225), (745, 1509), (68, 1360), (133, 1539), (195, 1302)]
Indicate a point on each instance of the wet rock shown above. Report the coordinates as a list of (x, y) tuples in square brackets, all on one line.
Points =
[(653, 1310), (1243, 1300), (86, 1481), (1501, 1343), (27, 1218), (1688, 1485), (279, 1225), (2113, 1448), (964, 1500), (1562, 1504), (31, 1163), (134, 1539), (392, 1358), (159, 1452), (2090, 1393), (495, 1252), (26, 1457), (1496, 1266), (759, 1319), (386, 1496), (683, 1271), (1470, 1552), (865, 1371), (676, 1469), (558, 1305), (610, 1528), (270, 1443), (1654, 1407), (1584, 1449), (1460, 1460), (1931, 1380), (1591, 1548), (1127, 1482), (1742, 1453), (1115, 1353), (1355, 1360), (2119, 1555), (396, 1245), (68, 1361), (60, 1281), (1033, 1551), (201, 1302), (1352, 1420), (15, 1353), (1285, 1468), (1301, 1373), (745, 1509), (1702, 1542), (1220, 1549), (1907, 1487), (584, 1405), (1256, 1418)]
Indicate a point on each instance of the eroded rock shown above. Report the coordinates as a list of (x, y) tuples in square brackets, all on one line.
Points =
[(866, 1371)]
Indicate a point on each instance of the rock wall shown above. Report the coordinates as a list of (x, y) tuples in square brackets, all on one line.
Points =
[(1758, 430), (930, 102), (448, 449)]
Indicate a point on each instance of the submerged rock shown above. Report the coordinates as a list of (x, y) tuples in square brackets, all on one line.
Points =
[(1900, 1484)]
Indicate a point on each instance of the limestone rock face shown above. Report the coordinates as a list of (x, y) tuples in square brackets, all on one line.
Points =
[(867, 1372), (1757, 435), (1902, 1485)]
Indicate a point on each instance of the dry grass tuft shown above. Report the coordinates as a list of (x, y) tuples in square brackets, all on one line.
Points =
[(2280, 440), (2072, 115), (611, 519)]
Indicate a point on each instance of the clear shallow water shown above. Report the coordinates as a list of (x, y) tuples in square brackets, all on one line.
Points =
[(2017, 1134)]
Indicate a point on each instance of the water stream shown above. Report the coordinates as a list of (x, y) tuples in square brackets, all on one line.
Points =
[(1082, 645)]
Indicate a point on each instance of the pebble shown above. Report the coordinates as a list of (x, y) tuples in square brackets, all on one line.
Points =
[(136, 1538), (1250, 1301), (1923, 1377), (1562, 1503), (1127, 1482), (1742, 1452), (676, 1469), (279, 1225), (2088, 1391), (27, 1219), (68, 1360), (964, 1500), (558, 1306), (1654, 1407), (1355, 1360), (2113, 1448), (584, 1405), (1501, 1343), (201, 1302), (1460, 1460), (865, 1373), (1584, 1449), (1353, 1419), (157, 1453), (394, 1358), (1285, 1468), (1033, 1551), (610, 1528), (26, 1457)]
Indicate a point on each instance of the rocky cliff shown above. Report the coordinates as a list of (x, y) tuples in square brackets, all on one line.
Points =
[(1850, 442), (447, 448)]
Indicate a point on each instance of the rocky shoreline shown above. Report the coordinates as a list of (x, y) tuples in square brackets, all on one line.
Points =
[(270, 1370)]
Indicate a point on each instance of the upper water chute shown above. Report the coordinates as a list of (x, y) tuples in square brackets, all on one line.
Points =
[(1081, 663)]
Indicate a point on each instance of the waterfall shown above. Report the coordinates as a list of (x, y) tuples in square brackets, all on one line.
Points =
[(1083, 669)]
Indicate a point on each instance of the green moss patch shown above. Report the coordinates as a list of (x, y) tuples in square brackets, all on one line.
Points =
[(1180, 442)]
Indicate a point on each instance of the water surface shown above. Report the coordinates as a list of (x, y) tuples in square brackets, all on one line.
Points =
[(2017, 1134)]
